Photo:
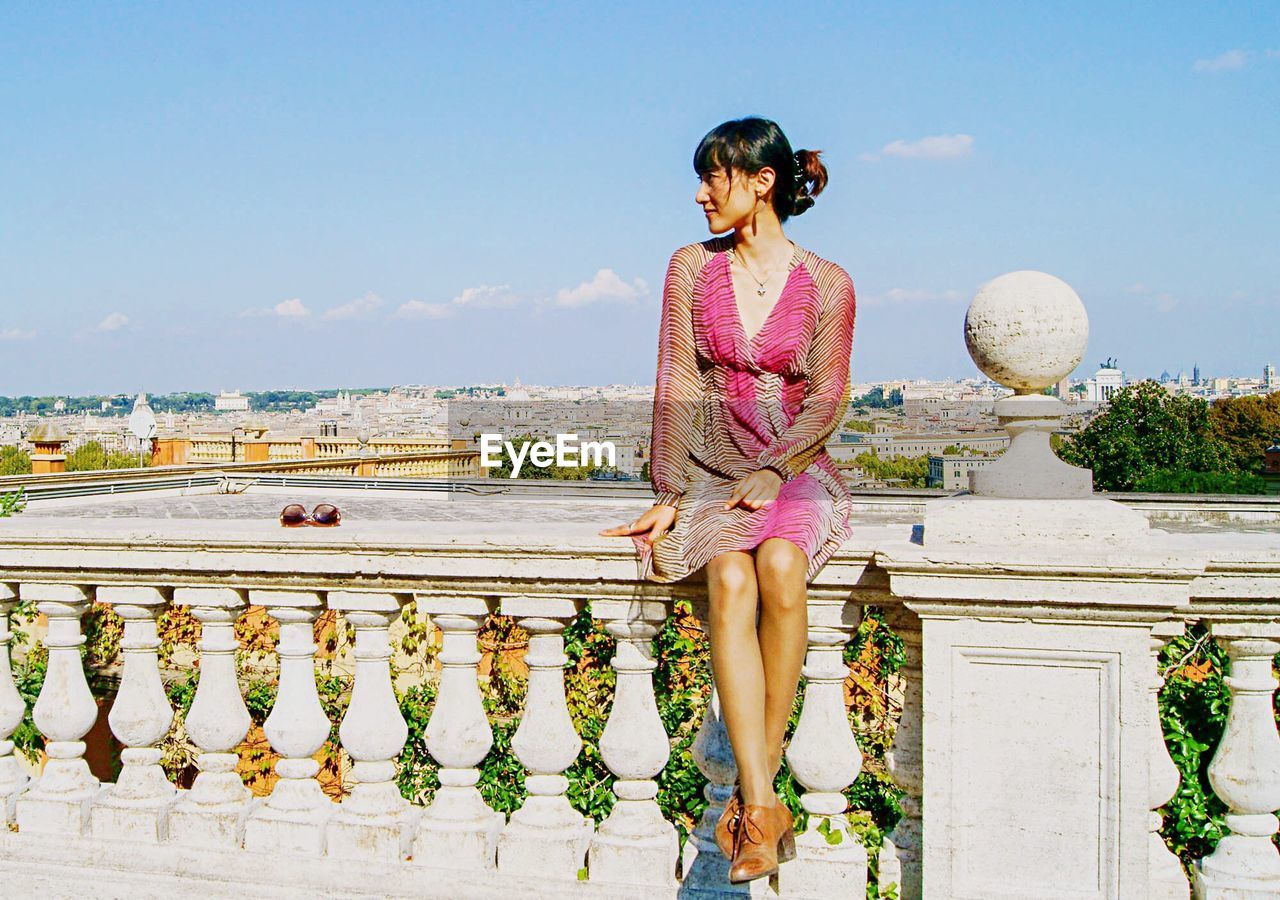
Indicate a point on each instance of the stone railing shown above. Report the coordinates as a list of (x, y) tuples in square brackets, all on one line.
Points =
[(1028, 748)]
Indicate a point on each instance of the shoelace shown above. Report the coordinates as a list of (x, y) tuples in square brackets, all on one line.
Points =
[(742, 824)]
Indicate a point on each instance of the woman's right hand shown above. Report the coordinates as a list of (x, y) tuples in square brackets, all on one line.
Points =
[(655, 522)]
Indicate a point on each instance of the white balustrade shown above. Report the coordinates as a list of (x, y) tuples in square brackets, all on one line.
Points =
[(295, 815), (12, 777), (1245, 771), (825, 759), (458, 830), (136, 806), (374, 821), (634, 844), (901, 852), (59, 800), (545, 836), (212, 813), (1014, 646), (1168, 881)]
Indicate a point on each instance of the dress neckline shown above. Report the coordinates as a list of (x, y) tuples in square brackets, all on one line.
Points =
[(794, 264)]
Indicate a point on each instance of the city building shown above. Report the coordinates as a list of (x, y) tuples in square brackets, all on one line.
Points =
[(231, 401), (1105, 382), (951, 471)]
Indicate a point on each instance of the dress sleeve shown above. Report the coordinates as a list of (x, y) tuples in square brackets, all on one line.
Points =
[(827, 393), (677, 395)]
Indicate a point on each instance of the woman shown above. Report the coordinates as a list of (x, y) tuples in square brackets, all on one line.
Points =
[(753, 377)]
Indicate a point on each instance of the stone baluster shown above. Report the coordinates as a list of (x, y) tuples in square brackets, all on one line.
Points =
[(1168, 881), (212, 813), (703, 869), (136, 807), (545, 836), (374, 821), (635, 843), (900, 854), (458, 830), (825, 759), (295, 815), (12, 777), (1245, 771), (60, 798)]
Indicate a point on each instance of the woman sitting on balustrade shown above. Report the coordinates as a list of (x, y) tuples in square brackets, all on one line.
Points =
[(752, 378)]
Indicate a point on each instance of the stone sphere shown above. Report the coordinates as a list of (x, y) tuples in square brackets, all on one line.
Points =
[(1026, 330)]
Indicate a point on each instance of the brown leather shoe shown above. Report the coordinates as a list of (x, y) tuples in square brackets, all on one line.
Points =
[(764, 838), (727, 827)]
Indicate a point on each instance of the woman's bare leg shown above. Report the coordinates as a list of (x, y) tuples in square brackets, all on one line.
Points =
[(738, 669), (783, 635)]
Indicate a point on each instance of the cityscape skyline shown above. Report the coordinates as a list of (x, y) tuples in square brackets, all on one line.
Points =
[(206, 199)]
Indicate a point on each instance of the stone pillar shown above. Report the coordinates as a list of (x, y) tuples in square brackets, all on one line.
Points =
[(212, 813), (374, 822), (1037, 602), (545, 836), (635, 844), (257, 450), (1245, 771), (136, 807), (48, 457), (825, 759), (902, 851), (12, 777), (293, 818), (458, 830), (59, 800)]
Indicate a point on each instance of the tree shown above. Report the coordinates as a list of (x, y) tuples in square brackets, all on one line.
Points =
[(1246, 426), (1145, 429), (865, 426), (913, 470), (14, 461), (92, 457)]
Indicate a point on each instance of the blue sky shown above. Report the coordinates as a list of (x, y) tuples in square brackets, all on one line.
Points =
[(197, 196)]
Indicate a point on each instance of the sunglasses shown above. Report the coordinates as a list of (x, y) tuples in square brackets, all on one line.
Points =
[(325, 515)]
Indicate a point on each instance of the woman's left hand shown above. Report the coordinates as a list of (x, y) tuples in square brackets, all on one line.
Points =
[(755, 490)]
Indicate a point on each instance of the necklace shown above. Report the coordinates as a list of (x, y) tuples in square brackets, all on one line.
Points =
[(760, 283)]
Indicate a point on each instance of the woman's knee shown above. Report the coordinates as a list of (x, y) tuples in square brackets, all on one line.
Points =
[(731, 584), (781, 563)]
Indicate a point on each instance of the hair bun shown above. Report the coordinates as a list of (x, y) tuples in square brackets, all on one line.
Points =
[(811, 178)]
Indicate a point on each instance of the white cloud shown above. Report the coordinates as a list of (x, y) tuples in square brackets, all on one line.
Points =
[(484, 296), (113, 322), (605, 285), (936, 146), (285, 309), (420, 309), (16, 334), (911, 295), (358, 308), (1226, 62)]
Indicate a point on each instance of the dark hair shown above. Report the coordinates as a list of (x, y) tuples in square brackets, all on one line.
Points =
[(752, 143)]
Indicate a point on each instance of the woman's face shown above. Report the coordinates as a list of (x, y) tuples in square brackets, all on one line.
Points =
[(728, 206)]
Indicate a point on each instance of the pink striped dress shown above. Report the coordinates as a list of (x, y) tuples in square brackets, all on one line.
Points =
[(725, 405)]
